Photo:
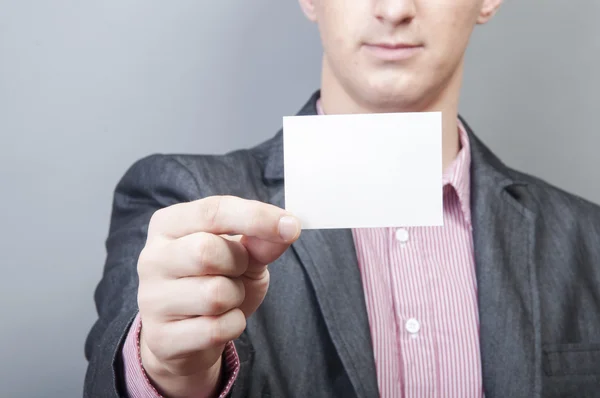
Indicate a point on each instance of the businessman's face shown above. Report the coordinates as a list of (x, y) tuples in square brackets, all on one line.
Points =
[(396, 53)]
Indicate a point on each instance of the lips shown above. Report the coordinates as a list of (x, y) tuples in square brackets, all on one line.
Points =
[(393, 51), (392, 46)]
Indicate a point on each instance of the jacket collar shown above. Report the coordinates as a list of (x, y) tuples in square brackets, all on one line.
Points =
[(482, 159)]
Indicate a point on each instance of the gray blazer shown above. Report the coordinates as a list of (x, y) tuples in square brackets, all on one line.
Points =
[(537, 255)]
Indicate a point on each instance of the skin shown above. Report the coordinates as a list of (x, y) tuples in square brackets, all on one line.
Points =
[(204, 268), (198, 285), (354, 81)]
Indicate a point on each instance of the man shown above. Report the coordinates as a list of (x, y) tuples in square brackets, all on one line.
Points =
[(502, 301)]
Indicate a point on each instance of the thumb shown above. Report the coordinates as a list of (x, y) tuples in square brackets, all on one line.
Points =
[(256, 278), (263, 252)]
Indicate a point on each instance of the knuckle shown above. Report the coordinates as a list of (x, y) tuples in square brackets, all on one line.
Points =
[(218, 332), (156, 221), (258, 214), (238, 323), (227, 327), (145, 262), (209, 210), (148, 303), (241, 292), (206, 252), (219, 292), (242, 323)]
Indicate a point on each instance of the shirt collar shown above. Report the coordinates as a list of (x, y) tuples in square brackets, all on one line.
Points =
[(457, 174)]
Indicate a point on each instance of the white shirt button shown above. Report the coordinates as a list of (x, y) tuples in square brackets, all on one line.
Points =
[(413, 326), (402, 235)]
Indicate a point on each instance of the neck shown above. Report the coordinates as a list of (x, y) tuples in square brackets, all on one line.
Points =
[(336, 100)]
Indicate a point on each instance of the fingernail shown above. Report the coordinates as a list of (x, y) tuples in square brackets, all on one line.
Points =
[(288, 228)]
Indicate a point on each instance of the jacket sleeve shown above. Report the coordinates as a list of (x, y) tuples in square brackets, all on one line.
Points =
[(151, 183)]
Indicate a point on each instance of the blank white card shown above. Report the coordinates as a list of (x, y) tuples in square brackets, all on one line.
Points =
[(364, 171)]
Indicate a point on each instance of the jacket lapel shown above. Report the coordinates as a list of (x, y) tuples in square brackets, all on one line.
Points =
[(504, 239), (330, 261), (329, 258)]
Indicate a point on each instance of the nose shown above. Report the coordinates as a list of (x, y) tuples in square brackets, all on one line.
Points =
[(395, 12)]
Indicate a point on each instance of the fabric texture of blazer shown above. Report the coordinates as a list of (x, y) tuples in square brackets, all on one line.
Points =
[(537, 256)]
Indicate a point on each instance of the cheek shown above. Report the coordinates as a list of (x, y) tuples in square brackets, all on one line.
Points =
[(340, 26), (449, 38), (449, 21), (338, 44)]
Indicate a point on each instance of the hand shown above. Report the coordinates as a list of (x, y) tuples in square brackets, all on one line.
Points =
[(202, 273)]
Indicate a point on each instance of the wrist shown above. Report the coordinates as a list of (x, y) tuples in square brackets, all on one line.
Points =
[(201, 384)]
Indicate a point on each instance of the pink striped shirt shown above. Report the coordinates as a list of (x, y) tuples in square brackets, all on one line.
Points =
[(421, 295)]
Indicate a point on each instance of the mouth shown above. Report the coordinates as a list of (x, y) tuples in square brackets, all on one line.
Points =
[(393, 51)]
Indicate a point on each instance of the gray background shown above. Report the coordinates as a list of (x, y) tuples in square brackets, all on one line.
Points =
[(86, 88)]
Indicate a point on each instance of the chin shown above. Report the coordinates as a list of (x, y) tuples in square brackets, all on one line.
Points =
[(392, 98), (392, 92)]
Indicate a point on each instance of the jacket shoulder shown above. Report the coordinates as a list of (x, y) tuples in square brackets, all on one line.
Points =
[(237, 173)]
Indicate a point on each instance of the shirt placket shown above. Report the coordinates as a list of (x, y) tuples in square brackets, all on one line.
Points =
[(412, 298)]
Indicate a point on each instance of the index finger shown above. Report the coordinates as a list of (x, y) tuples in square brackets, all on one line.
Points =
[(226, 215)]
